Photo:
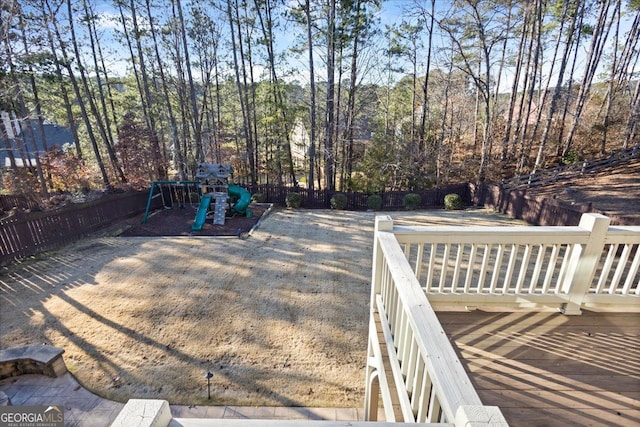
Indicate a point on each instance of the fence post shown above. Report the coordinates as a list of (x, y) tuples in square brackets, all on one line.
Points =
[(584, 261), (383, 223)]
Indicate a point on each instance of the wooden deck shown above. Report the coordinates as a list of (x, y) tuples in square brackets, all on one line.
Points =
[(547, 369)]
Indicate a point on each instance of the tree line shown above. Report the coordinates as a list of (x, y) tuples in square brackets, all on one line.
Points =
[(327, 94)]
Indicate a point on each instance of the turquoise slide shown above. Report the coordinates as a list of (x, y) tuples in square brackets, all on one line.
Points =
[(244, 199), (201, 215)]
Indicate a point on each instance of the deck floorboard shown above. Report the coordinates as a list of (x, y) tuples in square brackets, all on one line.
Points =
[(547, 369)]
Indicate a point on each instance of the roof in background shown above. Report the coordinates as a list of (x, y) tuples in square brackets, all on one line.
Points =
[(54, 136)]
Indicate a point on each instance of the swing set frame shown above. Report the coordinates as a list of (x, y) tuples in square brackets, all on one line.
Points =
[(176, 191)]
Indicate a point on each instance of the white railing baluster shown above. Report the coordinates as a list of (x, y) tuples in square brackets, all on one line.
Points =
[(537, 268), (434, 409), (425, 397), (606, 268), (496, 268), (418, 385), (483, 269), (418, 269), (619, 271), (633, 270), (457, 268), (523, 268), (411, 365), (443, 272), (551, 268), (430, 274), (472, 262), (405, 340), (566, 257), (510, 267)]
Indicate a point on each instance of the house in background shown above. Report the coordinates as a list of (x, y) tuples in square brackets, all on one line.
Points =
[(17, 141)]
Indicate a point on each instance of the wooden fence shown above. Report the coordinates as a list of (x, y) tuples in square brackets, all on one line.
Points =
[(25, 234), (391, 200), (573, 170), (9, 202), (537, 210)]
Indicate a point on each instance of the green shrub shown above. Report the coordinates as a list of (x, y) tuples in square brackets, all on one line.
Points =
[(452, 201), (293, 200), (338, 201), (374, 202), (571, 157), (411, 201), (258, 198)]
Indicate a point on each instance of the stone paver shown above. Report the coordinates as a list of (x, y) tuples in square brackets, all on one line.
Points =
[(85, 409)]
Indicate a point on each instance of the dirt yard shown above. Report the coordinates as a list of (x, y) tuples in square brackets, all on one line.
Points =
[(279, 318), (178, 222)]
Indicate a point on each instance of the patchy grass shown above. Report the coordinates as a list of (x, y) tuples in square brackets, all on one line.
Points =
[(279, 319)]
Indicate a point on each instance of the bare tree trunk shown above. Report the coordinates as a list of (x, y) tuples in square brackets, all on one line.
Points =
[(330, 101), (631, 131), (178, 158), (63, 88), (443, 126), (242, 95), (528, 82), (36, 99), (611, 89), (351, 102), (266, 23), (558, 89), (514, 91), (425, 84), (197, 125), (93, 39), (567, 103), (598, 39), (250, 86), (525, 140), (143, 86), (79, 99), (107, 134), (25, 119), (312, 106), (89, 97)]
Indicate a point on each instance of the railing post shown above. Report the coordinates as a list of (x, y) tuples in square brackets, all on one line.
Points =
[(383, 223), (479, 416), (584, 261)]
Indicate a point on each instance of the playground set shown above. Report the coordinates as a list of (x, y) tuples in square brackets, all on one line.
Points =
[(211, 194)]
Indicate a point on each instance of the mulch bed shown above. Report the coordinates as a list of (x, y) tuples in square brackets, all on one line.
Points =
[(178, 222)]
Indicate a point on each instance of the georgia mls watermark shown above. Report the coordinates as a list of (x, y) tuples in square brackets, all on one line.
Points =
[(31, 416)]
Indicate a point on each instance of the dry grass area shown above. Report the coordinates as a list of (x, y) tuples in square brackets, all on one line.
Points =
[(280, 318), (614, 191)]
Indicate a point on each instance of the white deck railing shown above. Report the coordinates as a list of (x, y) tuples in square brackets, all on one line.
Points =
[(591, 265), (411, 363)]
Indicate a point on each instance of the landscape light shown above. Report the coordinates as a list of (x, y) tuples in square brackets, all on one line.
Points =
[(208, 376)]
